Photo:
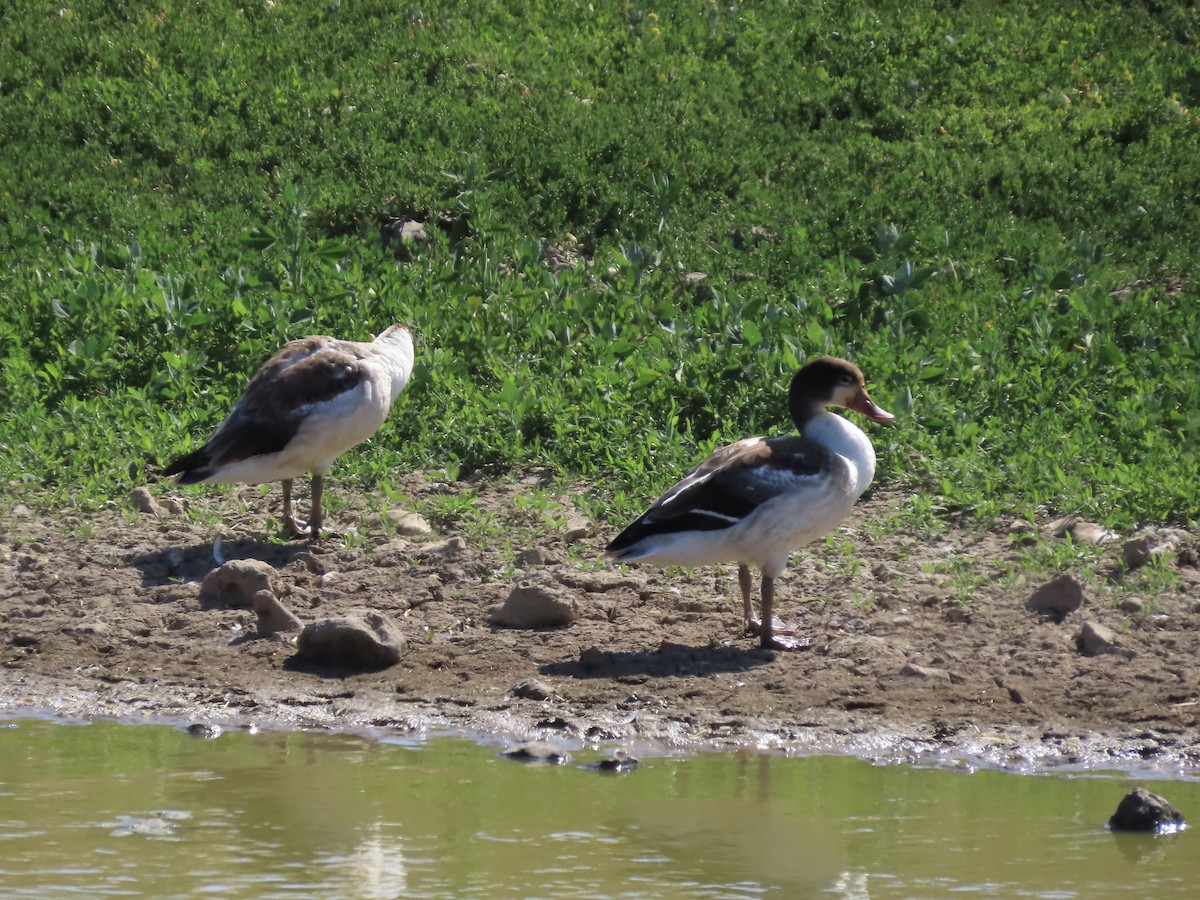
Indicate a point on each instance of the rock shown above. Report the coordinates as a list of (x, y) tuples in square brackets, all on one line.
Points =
[(172, 506), (143, 501), (1058, 527), (912, 670), (1091, 533), (310, 562), (235, 583), (1095, 639), (576, 530), (532, 690), (404, 231), (370, 641), (1132, 605), (534, 556), (620, 763), (204, 730), (273, 616), (1019, 527), (593, 659), (443, 549), (690, 282), (537, 752), (1136, 552), (1057, 598), (1140, 551), (1141, 810), (407, 524), (535, 606)]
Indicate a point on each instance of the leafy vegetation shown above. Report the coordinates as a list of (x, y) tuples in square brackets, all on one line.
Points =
[(991, 209)]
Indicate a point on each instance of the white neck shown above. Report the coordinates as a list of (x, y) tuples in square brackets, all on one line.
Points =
[(396, 351), (843, 437)]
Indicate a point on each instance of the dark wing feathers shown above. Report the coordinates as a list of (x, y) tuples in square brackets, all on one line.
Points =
[(271, 410), (728, 486)]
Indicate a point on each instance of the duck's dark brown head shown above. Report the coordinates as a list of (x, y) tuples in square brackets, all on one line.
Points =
[(830, 381)]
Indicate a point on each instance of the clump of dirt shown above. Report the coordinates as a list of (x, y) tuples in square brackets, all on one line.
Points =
[(917, 646)]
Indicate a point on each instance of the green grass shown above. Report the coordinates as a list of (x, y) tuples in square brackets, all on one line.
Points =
[(992, 210)]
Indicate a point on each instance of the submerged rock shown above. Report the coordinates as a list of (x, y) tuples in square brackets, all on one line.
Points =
[(1141, 810), (370, 641), (537, 752), (620, 763)]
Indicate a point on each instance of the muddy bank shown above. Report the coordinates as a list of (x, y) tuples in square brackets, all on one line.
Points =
[(918, 645)]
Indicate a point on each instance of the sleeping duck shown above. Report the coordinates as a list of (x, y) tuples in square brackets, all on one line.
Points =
[(309, 403)]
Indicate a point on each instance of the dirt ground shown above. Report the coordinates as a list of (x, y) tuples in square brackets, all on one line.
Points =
[(918, 647)]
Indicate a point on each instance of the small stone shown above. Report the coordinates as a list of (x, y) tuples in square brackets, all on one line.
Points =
[(143, 501), (690, 282), (576, 530), (311, 562), (535, 606), (273, 616), (443, 549), (531, 689), (235, 583), (534, 556), (620, 763), (204, 730), (1058, 527), (912, 670), (172, 506), (593, 659), (537, 752), (1132, 605), (1091, 533), (1141, 810), (1057, 598), (1095, 639), (1020, 527), (370, 641), (408, 524), (1136, 552)]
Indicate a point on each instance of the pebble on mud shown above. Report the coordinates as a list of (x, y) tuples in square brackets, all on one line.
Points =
[(1057, 598), (407, 524), (273, 616), (1095, 639), (1140, 810), (576, 530), (369, 641), (535, 606), (235, 583), (143, 501), (912, 670), (531, 689), (537, 752)]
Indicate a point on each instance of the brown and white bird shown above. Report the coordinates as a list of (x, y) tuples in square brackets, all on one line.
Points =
[(309, 403), (757, 501)]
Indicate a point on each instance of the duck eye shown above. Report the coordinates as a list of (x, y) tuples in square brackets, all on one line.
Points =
[(845, 379)]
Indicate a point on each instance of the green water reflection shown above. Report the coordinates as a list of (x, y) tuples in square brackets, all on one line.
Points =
[(149, 811)]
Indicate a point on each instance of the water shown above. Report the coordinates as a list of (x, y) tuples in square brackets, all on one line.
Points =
[(108, 810)]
